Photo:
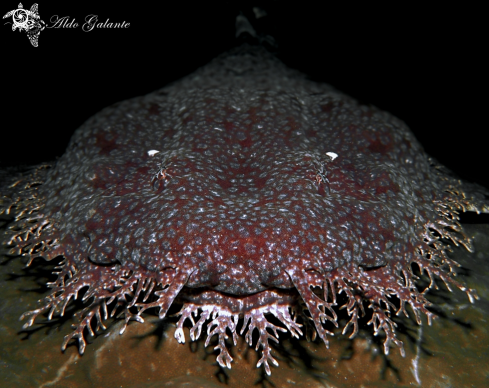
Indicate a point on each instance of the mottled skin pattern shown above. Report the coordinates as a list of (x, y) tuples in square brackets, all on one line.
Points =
[(222, 192)]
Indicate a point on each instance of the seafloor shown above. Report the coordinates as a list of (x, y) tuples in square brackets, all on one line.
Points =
[(453, 352)]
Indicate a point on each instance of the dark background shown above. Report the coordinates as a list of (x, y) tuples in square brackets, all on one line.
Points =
[(425, 65)]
